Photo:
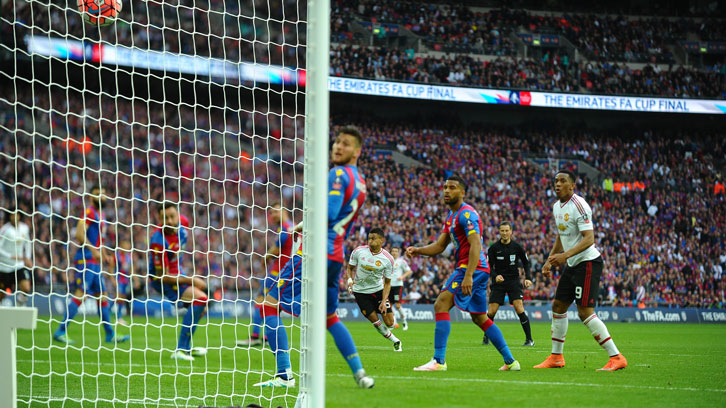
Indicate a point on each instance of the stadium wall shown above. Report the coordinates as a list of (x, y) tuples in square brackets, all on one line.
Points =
[(55, 304)]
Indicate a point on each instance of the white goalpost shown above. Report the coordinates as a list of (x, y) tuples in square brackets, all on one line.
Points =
[(216, 107)]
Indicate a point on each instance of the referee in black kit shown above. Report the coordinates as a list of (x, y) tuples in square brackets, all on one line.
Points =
[(503, 256)]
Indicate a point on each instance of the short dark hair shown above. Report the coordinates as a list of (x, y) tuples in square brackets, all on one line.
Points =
[(167, 204), (569, 173), (377, 231), (459, 180), (353, 131), (505, 224)]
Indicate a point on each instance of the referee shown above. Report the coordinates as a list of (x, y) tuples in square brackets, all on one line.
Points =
[(503, 256)]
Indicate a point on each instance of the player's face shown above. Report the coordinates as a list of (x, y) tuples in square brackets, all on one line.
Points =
[(395, 252), (275, 215), (170, 218), (375, 241), (564, 187), (505, 232), (346, 150), (452, 192), (98, 197)]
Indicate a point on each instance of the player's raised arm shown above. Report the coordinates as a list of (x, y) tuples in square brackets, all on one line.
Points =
[(432, 249)]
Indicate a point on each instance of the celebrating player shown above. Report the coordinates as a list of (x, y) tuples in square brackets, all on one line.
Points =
[(282, 251), (503, 256), (580, 280), (401, 271), (15, 258), (370, 270), (346, 194), (88, 280), (168, 278), (467, 286)]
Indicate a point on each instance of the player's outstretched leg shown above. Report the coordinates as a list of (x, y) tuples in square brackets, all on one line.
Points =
[(600, 333), (497, 339), (60, 334), (385, 331), (344, 342), (277, 340), (559, 332)]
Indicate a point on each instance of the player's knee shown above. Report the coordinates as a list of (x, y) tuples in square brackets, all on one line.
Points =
[(268, 310), (331, 320), (584, 313), (200, 300)]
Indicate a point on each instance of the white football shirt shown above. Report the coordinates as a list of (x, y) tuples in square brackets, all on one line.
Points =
[(14, 242), (400, 266), (370, 269), (571, 219)]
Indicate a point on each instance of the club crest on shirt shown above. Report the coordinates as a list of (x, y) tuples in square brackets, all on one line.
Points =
[(567, 217), (378, 263)]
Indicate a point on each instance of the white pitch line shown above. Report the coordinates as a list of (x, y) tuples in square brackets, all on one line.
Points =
[(486, 380), (27, 398)]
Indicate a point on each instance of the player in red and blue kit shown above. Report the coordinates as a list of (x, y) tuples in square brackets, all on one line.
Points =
[(282, 251), (168, 278), (88, 280), (346, 194), (466, 288)]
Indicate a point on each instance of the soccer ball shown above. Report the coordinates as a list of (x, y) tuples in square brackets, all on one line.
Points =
[(99, 12)]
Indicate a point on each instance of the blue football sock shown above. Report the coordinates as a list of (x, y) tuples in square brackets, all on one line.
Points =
[(256, 323), (497, 339), (344, 342), (277, 340), (189, 323), (71, 311), (106, 319), (441, 336)]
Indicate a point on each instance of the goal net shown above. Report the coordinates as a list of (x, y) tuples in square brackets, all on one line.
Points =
[(194, 107)]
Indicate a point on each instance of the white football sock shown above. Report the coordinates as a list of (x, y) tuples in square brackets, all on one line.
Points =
[(601, 335), (403, 316), (384, 330), (559, 332)]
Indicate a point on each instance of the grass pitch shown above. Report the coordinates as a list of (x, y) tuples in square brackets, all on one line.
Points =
[(669, 365)]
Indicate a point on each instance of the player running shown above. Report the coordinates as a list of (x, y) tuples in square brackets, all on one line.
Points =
[(370, 270), (346, 194), (282, 251), (401, 271), (168, 278), (15, 258), (580, 280), (466, 288)]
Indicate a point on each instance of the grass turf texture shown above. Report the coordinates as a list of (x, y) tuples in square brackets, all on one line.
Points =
[(669, 365)]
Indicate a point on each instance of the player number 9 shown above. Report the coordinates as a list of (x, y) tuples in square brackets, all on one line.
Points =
[(578, 292)]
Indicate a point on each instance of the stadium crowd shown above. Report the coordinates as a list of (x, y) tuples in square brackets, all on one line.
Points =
[(663, 243), (551, 73), (216, 164)]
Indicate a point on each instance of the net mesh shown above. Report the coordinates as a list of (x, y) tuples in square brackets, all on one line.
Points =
[(193, 102)]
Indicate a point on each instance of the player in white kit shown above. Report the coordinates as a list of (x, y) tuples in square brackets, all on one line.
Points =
[(401, 271), (580, 280), (370, 270)]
